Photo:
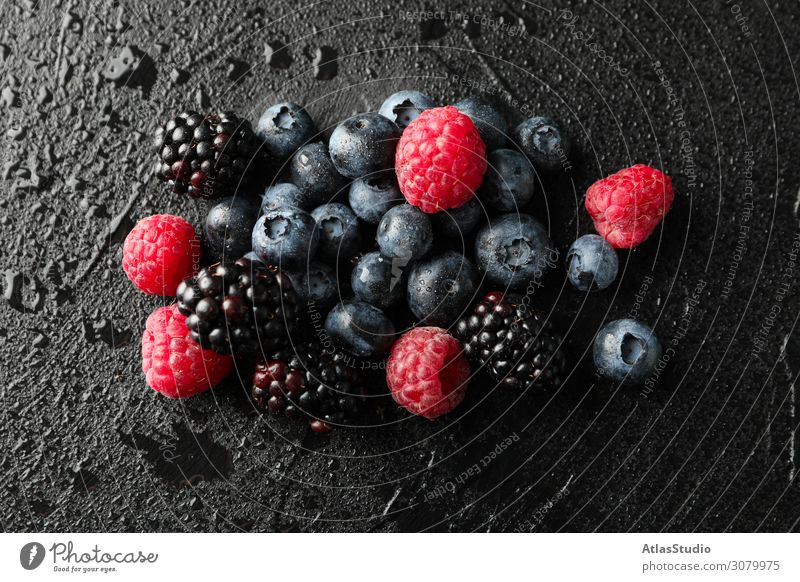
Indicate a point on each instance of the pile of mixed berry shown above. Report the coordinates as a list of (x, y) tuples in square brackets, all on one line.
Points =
[(316, 256)]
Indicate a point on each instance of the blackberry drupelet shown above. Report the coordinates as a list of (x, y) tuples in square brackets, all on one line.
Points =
[(305, 381), (242, 308), (517, 346), (205, 156)]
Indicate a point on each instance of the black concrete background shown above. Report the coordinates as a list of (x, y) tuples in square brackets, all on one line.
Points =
[(87, 446)]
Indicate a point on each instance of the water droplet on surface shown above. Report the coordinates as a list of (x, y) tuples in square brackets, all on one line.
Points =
[(326, 64)]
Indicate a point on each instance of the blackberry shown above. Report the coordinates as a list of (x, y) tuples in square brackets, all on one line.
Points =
[(306, 381), (205, 156), (239, 308), (517, 346)]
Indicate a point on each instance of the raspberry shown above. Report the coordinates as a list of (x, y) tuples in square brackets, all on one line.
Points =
[(628, 205), (173, 363), (160, 252), (427, 372), (440, 160)]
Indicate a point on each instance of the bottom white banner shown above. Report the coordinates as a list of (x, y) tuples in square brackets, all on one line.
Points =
[(395, 557)]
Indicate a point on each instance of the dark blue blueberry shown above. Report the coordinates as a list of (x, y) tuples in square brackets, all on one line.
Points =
[(363, 145), (626, 351), (455, 225), (339, 236), (312, 171), (509, 182), (405, 232), (488, 118), (404, 107), (360, 328), (441, 287), (283, 128), (229, 226), (285, 195), (514, 251), (322, 286), (317, 285), (592, 263), (372, 197), (544, 143), (286, 237), (378, 280)]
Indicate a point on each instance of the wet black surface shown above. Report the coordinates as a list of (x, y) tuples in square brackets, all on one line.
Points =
[(706, 91)]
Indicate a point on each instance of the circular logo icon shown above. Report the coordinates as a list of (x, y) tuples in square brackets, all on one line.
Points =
[(31, 555)]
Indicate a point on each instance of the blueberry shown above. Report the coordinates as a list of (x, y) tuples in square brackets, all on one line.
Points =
[(339, 236), (405, 232), (626, 351), (509, 181), (286, 237), (592, 263), (441, 287), (514, 251), (321, 284), (404, 107), (283, 128), (285, 195), (312, 170), (228, 228), (363, 144), (456, 224), (378, 280), (544, 143), (372, 197), (488, 118), (360, 329), (316, 284)]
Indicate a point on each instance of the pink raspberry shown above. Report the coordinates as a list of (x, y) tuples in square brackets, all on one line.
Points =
[(161, 251), (427, 372), (173, 363), (440, 160), (628, 205)]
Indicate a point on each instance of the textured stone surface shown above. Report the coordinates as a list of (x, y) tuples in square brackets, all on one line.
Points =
[(87, 446)]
